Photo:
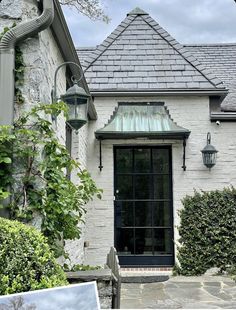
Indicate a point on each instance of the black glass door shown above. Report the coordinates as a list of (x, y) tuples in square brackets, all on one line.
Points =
[(143, 206)]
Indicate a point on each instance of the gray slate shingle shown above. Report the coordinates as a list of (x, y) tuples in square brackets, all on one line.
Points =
[(144, 56), (220, 59)]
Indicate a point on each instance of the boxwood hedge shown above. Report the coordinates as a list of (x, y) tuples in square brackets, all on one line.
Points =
[(207, 232), (26, 262)]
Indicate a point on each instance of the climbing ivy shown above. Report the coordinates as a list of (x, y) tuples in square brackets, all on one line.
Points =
[(32, 152), (19, 68)]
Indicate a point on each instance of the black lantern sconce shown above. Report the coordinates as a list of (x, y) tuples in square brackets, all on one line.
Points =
[(209, 153), (76, 99)]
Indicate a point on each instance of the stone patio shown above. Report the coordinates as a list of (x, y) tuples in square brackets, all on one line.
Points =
[(205, 292)]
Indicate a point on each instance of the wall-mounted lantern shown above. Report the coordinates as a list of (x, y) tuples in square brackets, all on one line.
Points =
[(76, 98), (209, 153)]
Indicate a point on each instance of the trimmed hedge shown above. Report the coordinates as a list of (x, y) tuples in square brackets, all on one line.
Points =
[(26, 262), (207, 232)]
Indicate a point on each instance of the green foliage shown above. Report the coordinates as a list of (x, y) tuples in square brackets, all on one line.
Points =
[(207, 232), (80, 267), (6, 139), (26, 262), (40, 185), (19, 68)]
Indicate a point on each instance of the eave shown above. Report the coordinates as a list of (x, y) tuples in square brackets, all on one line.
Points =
[(223, 116), (65, 43), (150, 135), (160, 92)]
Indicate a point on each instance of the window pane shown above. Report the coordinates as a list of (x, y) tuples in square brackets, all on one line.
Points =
[(124, 214), (143, 241), (124, 160), (143, 214), (160, 159), (143, 187), (161, 213), (162, 241), (124, 189), (161, 186), (125, 241), (142, 160)]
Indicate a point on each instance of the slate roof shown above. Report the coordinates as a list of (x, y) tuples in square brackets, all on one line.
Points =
[(83, 53), (140, 55), (221, 60)]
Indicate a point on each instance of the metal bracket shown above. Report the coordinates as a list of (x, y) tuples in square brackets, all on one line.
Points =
[(184, 154), (100, 155)]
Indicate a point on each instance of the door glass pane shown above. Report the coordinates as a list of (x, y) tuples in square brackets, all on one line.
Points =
[(143, 205), (143, 241), (143, 186), (161, 213), (162, 241), (142, 160), (124, 214), (143, 213), (161, 186), (160, 158), (124, 160), (125, 241), (124, 188)]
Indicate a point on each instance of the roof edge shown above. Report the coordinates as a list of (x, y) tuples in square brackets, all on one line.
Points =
[(65, 43), (108, 41), (183, 52), (223, 116), (150, 135), (144, 92)]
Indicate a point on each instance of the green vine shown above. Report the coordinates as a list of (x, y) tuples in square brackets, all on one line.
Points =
[(39, 185), (19, 69)]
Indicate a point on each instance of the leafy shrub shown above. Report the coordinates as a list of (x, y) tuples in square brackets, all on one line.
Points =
[(26, 262), (207, 232)]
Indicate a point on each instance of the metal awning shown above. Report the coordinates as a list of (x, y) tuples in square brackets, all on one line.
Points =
[(142, 120)]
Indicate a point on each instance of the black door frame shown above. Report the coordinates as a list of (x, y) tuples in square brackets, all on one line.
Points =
[(163, 260)]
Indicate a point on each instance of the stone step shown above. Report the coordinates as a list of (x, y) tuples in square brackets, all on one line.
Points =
[(144, 276)]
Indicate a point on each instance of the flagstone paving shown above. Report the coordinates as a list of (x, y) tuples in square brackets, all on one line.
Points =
[(205, 292)]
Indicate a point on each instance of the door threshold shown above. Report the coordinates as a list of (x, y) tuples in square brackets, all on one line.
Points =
[(145, 274)]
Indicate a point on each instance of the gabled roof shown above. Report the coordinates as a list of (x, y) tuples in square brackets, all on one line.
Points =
[(140, 55), (220, 59)]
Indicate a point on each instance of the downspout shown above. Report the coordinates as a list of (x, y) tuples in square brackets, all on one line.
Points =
[(7, 57)]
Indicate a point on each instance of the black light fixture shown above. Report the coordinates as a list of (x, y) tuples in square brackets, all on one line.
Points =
[(76, 98), (209, 153)]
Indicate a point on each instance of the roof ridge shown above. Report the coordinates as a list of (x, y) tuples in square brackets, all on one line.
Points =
[(109, 40), (182, 51), (137, 11)]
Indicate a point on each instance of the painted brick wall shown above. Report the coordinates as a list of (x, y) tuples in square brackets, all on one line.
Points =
[(189, 112), (79, 152)]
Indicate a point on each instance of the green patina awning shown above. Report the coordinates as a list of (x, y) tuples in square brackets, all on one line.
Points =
[(149, 120)]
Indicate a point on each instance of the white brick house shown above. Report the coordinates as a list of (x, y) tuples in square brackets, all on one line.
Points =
[(150, 96), (139, 166)]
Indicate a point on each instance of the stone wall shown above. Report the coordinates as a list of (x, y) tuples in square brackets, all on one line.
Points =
[(189, 112), (42, 56), (103, 278)]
